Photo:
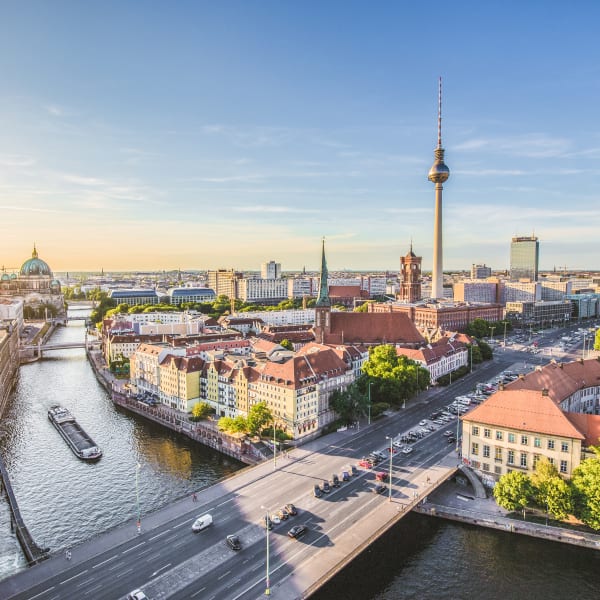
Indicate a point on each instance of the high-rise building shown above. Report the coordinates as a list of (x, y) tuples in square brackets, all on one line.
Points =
[(438, 174), (524, 258), (480, 272), (410, 277), (270, 270)]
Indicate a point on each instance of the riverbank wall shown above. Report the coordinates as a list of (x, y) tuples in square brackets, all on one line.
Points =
[(9, 361), (486, 513)]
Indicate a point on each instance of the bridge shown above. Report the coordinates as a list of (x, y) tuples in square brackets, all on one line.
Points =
[(39, 349)]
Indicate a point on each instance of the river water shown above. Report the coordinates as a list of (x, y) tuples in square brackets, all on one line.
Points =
[(65, 501)]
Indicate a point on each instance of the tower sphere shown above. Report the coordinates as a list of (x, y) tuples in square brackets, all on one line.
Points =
[(439, 172)]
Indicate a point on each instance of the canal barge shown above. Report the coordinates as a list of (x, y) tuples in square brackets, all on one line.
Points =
[(82, 445)]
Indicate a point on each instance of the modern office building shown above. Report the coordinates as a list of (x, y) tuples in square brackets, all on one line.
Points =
[(524, 258), (270, 270), (480, 272)]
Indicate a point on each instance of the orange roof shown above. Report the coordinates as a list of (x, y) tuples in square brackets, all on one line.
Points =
[(524, 410), (589, 425)]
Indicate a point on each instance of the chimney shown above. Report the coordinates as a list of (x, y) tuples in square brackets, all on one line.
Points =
[(545, 392)]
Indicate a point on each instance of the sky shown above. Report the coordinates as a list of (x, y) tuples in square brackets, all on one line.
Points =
[(148, 135)]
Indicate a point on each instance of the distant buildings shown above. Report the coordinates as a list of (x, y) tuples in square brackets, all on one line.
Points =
[(524, 258), (180, 295), (480, 272)]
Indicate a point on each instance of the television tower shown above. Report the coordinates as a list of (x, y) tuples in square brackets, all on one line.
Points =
[(438, 173)]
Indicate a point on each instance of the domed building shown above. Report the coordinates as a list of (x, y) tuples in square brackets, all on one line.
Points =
[(34, 284)]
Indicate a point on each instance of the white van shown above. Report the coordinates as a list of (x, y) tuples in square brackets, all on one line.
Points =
[(202, 522)]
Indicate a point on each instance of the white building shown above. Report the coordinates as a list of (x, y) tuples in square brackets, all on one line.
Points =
[(270, 270), (281, 317)]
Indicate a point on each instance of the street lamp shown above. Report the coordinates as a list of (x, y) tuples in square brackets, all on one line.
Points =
[(274, 447), (370, 384), (505, 324), (457, 424), (267, 582), (492, 333), (137, 495), (387, 437)]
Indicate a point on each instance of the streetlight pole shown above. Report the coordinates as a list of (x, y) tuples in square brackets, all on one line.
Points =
[(387, 437), (492, 333), (137, 496), (370, 383), (267, 582), (505, 324), (457, 424)]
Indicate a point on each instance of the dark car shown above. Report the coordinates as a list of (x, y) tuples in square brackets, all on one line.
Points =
[(282, 514), (379, 489), (291, 509), (345, 476), (326, 487), (317, 492), (335, 481), (233, 541), (297, 531), (354, 470), (451, 439)]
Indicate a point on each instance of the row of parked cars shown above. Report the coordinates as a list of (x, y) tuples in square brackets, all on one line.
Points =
[(336, 481)]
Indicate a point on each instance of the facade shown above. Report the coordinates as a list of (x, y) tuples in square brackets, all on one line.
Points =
[(134, 297), (521, 291), (539, 313), (224, 282), (270, 270), (281, 317), (262, 291), (9, 359), (524, 258), (410, 277), (480, 272), (585, 306), (187, 294), (476, 291), (11, 310), (555, 290), (302, 287)]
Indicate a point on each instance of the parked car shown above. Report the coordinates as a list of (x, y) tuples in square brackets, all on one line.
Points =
[(297, 531), (353, 470), (137, 595), (451, 439), (407, 450), (326, 487), (378, 489), (364, 463), (422, 423), (345, 476), (382, 476), (233, 541), (291, 509), (335, 481), (282, 514), (317, 492)]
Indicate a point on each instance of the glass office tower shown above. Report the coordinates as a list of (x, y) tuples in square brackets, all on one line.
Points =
[(524, 258)]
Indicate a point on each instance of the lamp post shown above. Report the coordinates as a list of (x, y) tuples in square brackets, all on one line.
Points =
[(369, 418), (457, 424), (274, 447), (505, 324), (492, 333), (387, 437), (137, 496), (267, 581)]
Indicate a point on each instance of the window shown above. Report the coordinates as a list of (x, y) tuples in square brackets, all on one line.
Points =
[(475, 449), (499, 435), (511, 438), (487, 433), (537, 442), (485, 467), (475, 430), (564, 446), (498, 454), (536, 458), (511, 457), (486, 451), (550, 444), (524, 460), (563, 466), (498, 470), (475, 464), (524, 440)]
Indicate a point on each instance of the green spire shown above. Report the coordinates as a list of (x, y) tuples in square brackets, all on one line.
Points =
[(323, 299)]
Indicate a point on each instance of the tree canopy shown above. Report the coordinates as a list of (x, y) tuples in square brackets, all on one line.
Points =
[(513, 491), (586, 491)]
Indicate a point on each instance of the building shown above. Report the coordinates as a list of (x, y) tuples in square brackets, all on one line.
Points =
[(524, 258), (410, 277), (539, 313), (134, 297), (438, 174), (270, 270), (281, 317), (585, 306), (476, 291), (179, 295), (480, 272), (302, 287), (555, 290), (262, 291), (224, 282), (552, 413), (9, 359), (521, 291)]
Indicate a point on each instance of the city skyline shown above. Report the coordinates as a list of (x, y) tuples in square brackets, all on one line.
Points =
[(200, 137)]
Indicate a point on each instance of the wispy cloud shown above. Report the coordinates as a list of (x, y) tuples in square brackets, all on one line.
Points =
[(16, 161), (534, 145), (33, 209), (263, 208)]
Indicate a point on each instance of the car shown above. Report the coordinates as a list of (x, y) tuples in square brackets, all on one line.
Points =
[(364, 463), (374, 458), (422, 423), (382, 476), (282, 514), (297, 531), (233, 541), (451, 439), (291, 509), (378, 489), (407, 450), (335, 480), (137, 595), (398, 444), (202, 523), (353, 470), (380, 454), (326, 487), (447, 433), (345, 476), (391, 451), (275, 519), (317, 491)]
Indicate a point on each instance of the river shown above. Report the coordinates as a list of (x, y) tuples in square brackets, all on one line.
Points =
[(65, 501)]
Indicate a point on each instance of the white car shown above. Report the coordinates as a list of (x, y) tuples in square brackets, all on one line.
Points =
[(407, 450), (423, 423), (137, 595)]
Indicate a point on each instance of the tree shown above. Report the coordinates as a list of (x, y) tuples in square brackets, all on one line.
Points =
[(258, 416), (287, 344), (486, 350), (513, 491), (597, 340), (586, 491), (201, 410), (544, 473), (559, 498), (349, 404), (478, 328), (363, 308)]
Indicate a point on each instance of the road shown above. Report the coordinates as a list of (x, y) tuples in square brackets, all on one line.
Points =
[(167, 560)]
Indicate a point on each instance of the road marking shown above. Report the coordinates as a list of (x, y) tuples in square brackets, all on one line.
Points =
[(93, 589), (159, 534), (224, 575), (74, 577), (159, 570), (133, 547), (222, 503), (46, 590), (198, 592), (105, 561), (182, 524)]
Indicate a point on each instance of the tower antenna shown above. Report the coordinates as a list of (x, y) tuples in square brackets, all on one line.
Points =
[(440, 114)]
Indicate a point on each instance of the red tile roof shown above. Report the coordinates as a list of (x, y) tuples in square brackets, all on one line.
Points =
[(589, 425)]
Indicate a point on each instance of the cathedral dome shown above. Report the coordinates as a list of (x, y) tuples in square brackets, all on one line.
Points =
[(35, 266), (5, 277)]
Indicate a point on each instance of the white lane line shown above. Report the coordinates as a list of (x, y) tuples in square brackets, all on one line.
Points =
[(93, 589), (182, 524), (133, 547), (198, 592), (126, 571), (74, 577), (46, 590), (159, 570), (85, 582), (159, 534), (105, 561), (223, 503), (224, 575)]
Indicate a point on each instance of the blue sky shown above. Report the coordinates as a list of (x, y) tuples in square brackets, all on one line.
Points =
[(164, 135)]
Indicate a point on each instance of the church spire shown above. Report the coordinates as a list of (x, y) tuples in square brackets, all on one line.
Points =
[(323, 299), (34, 254)]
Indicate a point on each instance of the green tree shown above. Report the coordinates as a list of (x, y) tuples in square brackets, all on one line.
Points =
[(363, 308), (201, 410), (349, 404), (486, 350), (478, 328), (513, 491), (474, 349), (559, 498), (544, 472), (586, 491), (286, 344), (258, 416), (597, 340), (225, 424)]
